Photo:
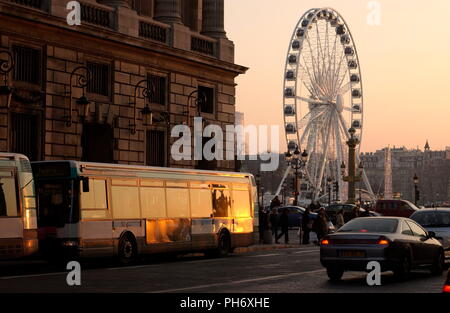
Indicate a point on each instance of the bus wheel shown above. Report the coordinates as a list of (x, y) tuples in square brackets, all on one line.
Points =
[(224, 245), (127, 250)]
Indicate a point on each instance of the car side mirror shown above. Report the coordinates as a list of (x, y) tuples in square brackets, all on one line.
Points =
[(85, 181), (431, 234)]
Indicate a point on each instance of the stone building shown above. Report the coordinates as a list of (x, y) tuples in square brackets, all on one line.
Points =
[(171, 48), (431, 167)]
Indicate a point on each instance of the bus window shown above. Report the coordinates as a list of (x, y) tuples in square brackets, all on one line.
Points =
[(152, 183), (221, 201), (201, 203), (241, 203), (153, 202), (55, 204), (8, 195), (177, 202), (125, 202), (94, 203)]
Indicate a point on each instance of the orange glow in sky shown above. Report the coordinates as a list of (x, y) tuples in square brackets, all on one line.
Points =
[(405, 64)]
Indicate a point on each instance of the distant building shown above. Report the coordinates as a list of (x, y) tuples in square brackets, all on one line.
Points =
[(432, 168)]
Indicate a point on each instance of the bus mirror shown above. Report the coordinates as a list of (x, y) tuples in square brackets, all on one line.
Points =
[(85, 181)]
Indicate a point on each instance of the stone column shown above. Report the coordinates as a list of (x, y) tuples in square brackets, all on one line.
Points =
[(213, 19), (116, 3), (168, 11)]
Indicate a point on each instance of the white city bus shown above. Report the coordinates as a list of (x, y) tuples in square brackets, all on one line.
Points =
[(94, 209), (18, 225)]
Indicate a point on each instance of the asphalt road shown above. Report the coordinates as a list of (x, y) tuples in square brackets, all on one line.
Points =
[(295, 270)]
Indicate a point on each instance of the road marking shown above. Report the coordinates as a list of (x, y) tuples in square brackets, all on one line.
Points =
[(237, 282), (33, 275), (305, 251), (263, 255)]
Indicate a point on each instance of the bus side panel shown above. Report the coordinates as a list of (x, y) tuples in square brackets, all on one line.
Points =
[(96, 238), (242, 235), (203, 234), (168, 234), (11, 244)]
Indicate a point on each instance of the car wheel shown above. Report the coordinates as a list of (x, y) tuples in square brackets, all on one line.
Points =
[(335, 273), (127, 250), (403, 269), (438, 266)]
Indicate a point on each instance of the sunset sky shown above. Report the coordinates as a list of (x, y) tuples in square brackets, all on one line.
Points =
[(405, 64)]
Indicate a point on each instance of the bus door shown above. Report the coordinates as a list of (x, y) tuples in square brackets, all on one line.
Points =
[(11, 225), (58, 214), (222, 215)]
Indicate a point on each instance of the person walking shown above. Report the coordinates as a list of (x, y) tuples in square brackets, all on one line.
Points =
[(355, 212), (273, 219), (321, 224), (284, 225), (340, 219), (275, 203), (306, 227)]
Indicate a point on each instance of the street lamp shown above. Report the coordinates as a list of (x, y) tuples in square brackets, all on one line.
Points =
[(360, 172), (296, 161), (147, 90), (416, 189), (6, 66), (197, 101), (81, 81), (352, 176)]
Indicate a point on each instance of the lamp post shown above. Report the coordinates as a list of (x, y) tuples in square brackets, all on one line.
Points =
[(258, 187), (352, 178), (296, 161), (6, 66), (197, 101), (416, 189), (329, 181), (147, 91), (83, 78)]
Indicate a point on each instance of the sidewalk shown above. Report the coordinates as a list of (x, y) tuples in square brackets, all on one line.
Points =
[(294, 242)]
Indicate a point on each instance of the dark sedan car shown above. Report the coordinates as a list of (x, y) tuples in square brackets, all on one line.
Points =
[(348, 211), (446, 288), (295, 214), (398, 244)]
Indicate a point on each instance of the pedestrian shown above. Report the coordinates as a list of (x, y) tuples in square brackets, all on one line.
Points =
[(273, 219), (340, 219), (275, 203), (284, 225), (355, 213), (306, 227), (321, 224)]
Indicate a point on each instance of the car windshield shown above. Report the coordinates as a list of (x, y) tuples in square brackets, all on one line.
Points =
[(370, 225), (432, 219)]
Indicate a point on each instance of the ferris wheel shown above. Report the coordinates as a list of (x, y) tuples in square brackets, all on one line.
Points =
[(323, 96)]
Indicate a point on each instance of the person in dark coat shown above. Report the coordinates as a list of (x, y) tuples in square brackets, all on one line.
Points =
[(275, 203), (306, 224), (321, 224), (284, 225), (273, 219)]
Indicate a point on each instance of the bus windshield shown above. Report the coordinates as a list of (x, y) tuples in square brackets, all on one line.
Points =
[(56, 203)]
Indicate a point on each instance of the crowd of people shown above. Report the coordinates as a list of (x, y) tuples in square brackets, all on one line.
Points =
[(277, 222)]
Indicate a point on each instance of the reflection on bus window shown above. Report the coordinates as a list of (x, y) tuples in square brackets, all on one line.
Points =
[(221, 202), (8, 197)]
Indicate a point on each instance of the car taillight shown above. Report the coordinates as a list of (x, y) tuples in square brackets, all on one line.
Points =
[(325, 242), (446, 289)]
